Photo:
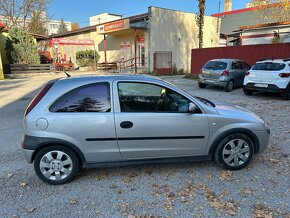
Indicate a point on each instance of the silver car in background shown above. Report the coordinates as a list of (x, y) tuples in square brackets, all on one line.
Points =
[(100, 121), (225, 73)]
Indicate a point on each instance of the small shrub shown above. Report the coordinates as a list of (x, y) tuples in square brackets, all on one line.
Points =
[(86, 58), (191, 76)]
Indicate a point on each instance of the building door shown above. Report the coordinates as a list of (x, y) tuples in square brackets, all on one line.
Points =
[(141, 55), (163, 62)]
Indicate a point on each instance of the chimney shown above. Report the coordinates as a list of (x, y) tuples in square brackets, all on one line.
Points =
[(228, 5)]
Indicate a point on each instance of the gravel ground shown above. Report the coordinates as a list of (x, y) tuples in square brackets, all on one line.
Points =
[(198, 189)]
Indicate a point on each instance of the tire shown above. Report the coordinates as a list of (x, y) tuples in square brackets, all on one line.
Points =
[(229, 86), (60, 164), (202, 86), (234, 152), (247, 92), (286, 95)]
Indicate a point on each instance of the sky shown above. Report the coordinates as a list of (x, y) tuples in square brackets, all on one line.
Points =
[(80, 10)]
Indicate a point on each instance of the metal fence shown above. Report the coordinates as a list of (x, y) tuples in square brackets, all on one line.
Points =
[(249, 53)]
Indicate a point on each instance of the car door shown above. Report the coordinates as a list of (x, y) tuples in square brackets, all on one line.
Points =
[(84, 117), (152, 122)]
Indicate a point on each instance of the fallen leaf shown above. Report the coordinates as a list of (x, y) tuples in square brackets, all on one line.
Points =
[(73, 201), (9, 175), (31, 210), (23, 184), (225, 175)]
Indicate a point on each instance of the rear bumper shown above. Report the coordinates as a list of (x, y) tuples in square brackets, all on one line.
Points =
[(270, 88), (28, 155), (214, 82)]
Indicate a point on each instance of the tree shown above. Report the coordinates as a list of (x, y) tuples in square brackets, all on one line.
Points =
[(21, 47), (272, 11), (62, 28), (200, 21), (75, 26), (17, 11), (38, 23)]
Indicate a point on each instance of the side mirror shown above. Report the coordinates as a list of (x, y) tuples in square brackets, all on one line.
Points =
[(192, 107)]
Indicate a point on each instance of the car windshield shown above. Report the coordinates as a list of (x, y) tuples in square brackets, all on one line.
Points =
[(269, 66), (216, 65)]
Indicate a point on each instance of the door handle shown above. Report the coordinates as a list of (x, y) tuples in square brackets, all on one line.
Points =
[(126, 125)]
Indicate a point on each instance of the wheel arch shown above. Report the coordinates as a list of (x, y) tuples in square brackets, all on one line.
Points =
[(38, 143), (244, 131)]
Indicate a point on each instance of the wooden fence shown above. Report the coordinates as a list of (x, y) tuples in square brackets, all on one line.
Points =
[(30, 68)]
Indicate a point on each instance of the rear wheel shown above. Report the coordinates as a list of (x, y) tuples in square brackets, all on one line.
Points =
[(286, 94), (234, 152), (247, 92), (229, 86), (56, 165), (201, 85)]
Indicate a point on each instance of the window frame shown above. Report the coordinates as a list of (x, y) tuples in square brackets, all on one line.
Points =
[(155, 84), (81, 87)]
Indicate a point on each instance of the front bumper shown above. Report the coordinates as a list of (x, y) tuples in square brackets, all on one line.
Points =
[(214, 82), (270, 88), (263, 137), (28, 155)]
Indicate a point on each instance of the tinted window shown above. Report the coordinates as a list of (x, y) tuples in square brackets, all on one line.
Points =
[(216, 65), (89, 98), (144, 97), (245, 66), (269, 66), (236, 66)]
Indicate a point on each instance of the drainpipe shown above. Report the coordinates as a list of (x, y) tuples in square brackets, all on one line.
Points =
[(105, 51), (135, 43)]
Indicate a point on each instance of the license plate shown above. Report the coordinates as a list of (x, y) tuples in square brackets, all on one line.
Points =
[(260, 85), (209, 81)]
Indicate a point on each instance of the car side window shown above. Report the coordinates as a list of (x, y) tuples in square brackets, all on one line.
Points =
[(88, 98), (145, 97), (236, 66), (245, 65)]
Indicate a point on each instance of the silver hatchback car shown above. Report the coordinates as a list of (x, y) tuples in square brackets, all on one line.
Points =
[(103, 121), (225, 73)]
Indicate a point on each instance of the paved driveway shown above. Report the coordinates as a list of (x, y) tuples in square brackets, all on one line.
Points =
[(197, 189)]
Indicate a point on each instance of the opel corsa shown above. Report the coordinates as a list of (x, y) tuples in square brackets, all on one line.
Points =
[(101, 121)]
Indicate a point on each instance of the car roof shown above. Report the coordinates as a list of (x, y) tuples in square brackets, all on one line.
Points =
[(226, 60), (110, 78), (284, 61)]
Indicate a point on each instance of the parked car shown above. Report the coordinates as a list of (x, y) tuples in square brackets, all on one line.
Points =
[(269, 75), (116, 120), (226, 73)]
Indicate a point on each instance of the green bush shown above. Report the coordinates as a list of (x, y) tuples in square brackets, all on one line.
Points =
[(21, 47), (86, 58)]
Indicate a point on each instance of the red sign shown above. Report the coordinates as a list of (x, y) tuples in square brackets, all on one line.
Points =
[(114, 26), (141, 39), (63, 41)]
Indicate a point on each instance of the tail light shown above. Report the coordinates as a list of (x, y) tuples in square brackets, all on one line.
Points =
[(38, 97), (248, 73), (225, 73), (284, 75)]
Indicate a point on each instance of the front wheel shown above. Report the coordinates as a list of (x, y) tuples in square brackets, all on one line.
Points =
[(56, 165), (247, 92), (234, 152)]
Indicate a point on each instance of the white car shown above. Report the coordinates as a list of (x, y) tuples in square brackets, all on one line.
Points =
[(269, 75)]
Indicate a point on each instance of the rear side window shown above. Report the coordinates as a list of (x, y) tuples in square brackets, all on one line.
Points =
[(88, 98), (216, 65), (269, 66)]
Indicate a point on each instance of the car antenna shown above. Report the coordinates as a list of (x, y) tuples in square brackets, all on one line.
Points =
[(68, 76)]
